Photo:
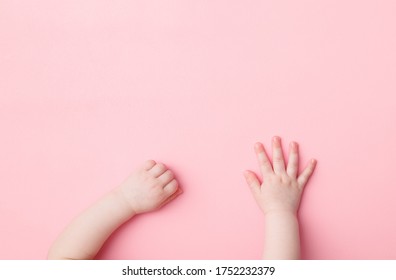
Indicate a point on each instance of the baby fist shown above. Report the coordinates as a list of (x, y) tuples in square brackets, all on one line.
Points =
[(150, 187)]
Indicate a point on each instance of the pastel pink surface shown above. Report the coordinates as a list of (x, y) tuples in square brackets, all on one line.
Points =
[(90, 89)]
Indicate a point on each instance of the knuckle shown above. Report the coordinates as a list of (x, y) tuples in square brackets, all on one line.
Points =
[(291, 168), (173, 188), (166, 177), (158, 192), (158, 184), (304, 176), (160, 165), (278, 160), (174, 183), (150, 162), (150, 181)]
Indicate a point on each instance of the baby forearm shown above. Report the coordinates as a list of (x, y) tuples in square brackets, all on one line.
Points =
[(282, 239), (84, 237)]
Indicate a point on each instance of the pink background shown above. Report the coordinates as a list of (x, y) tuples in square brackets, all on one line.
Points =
[(90, 89)]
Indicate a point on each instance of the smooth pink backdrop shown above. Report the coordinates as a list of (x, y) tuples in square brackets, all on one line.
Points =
[(90, 89)]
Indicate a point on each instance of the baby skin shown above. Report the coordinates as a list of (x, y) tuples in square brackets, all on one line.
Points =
[(278, 196), (153, 185), (148, 188)]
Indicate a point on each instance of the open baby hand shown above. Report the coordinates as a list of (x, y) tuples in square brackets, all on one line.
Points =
[(281, 188), (150, 187)]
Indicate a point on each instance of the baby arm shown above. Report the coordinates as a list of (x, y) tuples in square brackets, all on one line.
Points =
[(278, 196), (149, 188)]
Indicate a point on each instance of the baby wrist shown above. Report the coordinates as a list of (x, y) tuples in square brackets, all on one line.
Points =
[(123, 203), (288, 212)]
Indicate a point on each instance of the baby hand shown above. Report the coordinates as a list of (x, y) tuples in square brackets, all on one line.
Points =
[(281, 188), (150, 187)]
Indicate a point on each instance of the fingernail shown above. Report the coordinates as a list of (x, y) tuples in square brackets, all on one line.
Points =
[(257, 147), (276, 140)]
